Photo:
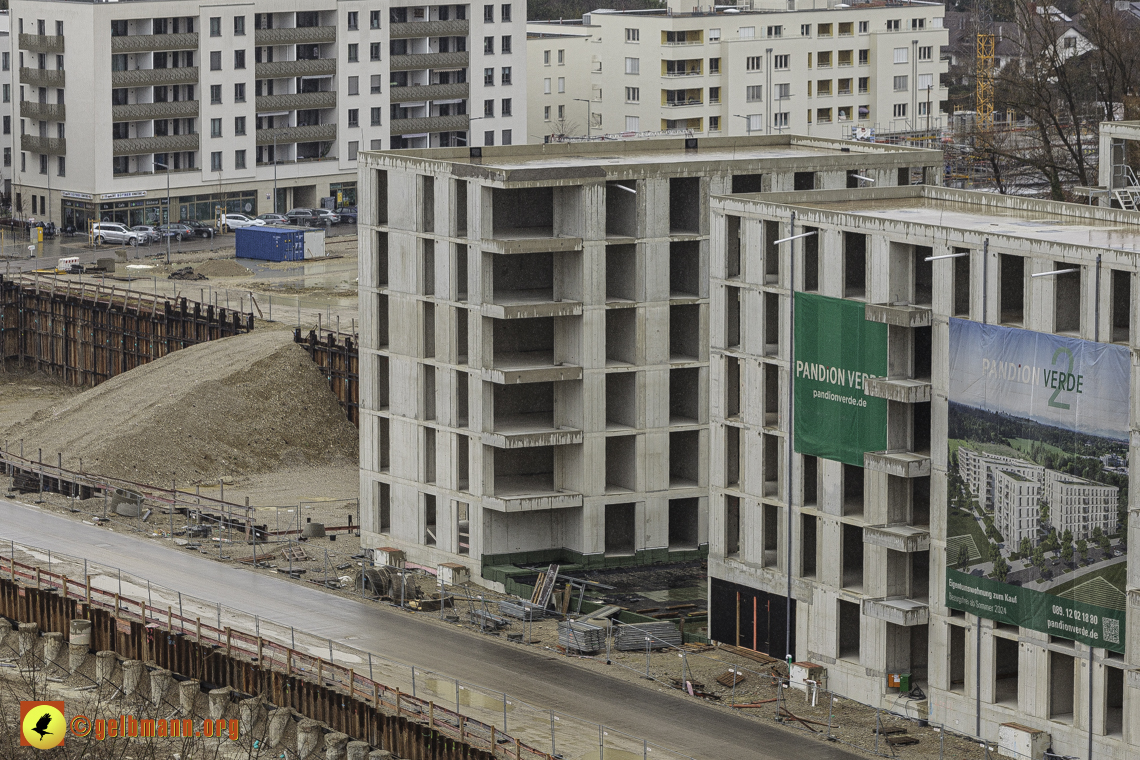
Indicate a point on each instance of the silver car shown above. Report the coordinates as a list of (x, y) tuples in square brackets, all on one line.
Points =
[(147, 234), (113, 232)]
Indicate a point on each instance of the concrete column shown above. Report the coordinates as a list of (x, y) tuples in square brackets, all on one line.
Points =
[(80, 632), (219, 701), (104, 666), (132, 674), (336, 746), (357, 751), (27, 637), (279, 720), (308, 736), (160, 681), (251, 710), (53, 643), (188, 694), (76, 656)]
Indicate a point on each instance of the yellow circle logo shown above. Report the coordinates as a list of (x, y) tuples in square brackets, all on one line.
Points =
[(43, 726)]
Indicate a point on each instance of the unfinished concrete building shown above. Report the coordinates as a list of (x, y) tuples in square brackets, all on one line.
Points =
[(893, 563), (535, 340)]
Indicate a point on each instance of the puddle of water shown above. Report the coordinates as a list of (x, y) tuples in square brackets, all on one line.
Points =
[(467, 697)]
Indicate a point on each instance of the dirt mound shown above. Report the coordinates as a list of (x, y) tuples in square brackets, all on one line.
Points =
[(222, 268), (237, 406)]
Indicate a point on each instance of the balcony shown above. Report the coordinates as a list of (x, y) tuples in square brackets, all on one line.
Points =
[(898, 538), (42, 77), (901, 464), (312, 67), (178, 109), (428, 61), (524, 305), (294, 35), (42, 43), (682, 103), (899, 315), (157, 144), (43, 111), (310, 133), (148, 77), (453, 123), (904, 612), (141, 43), (901, 390), (522, 434), (411, 29), (51, 146), (423, 92), (301, 100)]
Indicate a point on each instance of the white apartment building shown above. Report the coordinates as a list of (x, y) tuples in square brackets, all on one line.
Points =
[(254, 107), (766, 68), (1016, 506), (1079, 505)]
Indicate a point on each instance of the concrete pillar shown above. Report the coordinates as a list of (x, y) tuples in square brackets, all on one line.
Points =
[(219, 701), (132, 674), (336, 746), (279, 720), (357, 751), (27, 640), (160, 681), (251, 711), (76, 656), (104, 666), (187, 694), (80, 632), (53, 643), (308, 736)]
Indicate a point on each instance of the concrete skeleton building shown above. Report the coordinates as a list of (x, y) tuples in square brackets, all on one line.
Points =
[(241, 101), (864, 552), (535, 332), (765, 68)]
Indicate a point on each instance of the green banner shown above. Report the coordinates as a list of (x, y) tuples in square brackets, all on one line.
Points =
[(836, 350)]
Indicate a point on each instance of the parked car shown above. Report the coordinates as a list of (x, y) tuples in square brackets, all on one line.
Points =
[(112, 232), (147, 234), (347, 214), (303, 217), (237, 221), (325, 217), (201, 229), (274, 219), (178, 231)]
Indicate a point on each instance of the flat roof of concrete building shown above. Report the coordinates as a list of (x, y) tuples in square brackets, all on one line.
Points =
[(969, 212)]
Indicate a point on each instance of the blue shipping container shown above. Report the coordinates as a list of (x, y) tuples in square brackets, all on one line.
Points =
[(270, 243)]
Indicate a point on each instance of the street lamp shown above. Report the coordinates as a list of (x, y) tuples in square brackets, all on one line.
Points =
[(470, 132), (167, 231), (747, 122), (589, 113)]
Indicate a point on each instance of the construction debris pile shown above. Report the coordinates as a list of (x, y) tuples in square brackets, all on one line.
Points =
[(186, 273), (244, 405)]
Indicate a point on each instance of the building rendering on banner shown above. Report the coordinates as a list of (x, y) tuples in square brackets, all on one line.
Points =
[(535, 341), (766, 68), (951, 506), (234, 103)]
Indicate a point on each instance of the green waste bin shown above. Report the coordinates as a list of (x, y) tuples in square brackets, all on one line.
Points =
[(904, 683)]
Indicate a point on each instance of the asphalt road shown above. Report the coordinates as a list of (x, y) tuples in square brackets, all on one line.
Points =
[(535, 677)]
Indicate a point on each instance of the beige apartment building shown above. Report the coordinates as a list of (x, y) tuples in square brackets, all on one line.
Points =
[(807, 68)]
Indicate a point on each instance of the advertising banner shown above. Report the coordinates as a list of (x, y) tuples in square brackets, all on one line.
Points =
[(1038, 481), (836, 350)]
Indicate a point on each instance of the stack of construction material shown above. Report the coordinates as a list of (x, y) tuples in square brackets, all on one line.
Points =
[(629, 638), (581, 637), (521, 610)]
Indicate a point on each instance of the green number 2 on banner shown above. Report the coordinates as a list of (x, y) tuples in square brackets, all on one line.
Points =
[(1053, 399)]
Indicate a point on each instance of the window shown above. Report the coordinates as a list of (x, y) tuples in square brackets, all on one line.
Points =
[(825, 59), (488, 14), (746, 32), (894, 25), (844, 57), (545, 57), (755, 122), (917, 23), (216, 161), (823, 30), (505, 44), (6, 61), (506, 77), (900, 84), (864, 84), (43, 169), (926, 52), (561, 57), (7, 93), (805, 30), (925, 81), (755, 93), (239, 26), (353, 20), (546, 113), (546, 86), (239, 59), (216, 31), (561, 112), (7, 125), (505, 13), (844, 87), (775, 31), (489, 137), (505, 108), (58, 28), (376, 114), (239, 125), (216, 60), (488, 109), (353, 52), (845, 29), (488, 46), (632, 124), (900, 55), (561, 84), (239, 92), (506, 137), (215, 127), (354, 117), (8, 156), (923, 109), (864, 27), (823, 115), (714, 65), (58, 63), (354, 85), (714, 35), (823, 88), (239, 159), (714, 123), (900, 110), (780, 120), (714, 94), (374, 20), (783, 91), (374, 51), (377, 83), (632, 35), (215, 93), (754, 63), (632, 65), (782, 62), (489, 78), (864, 57)]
